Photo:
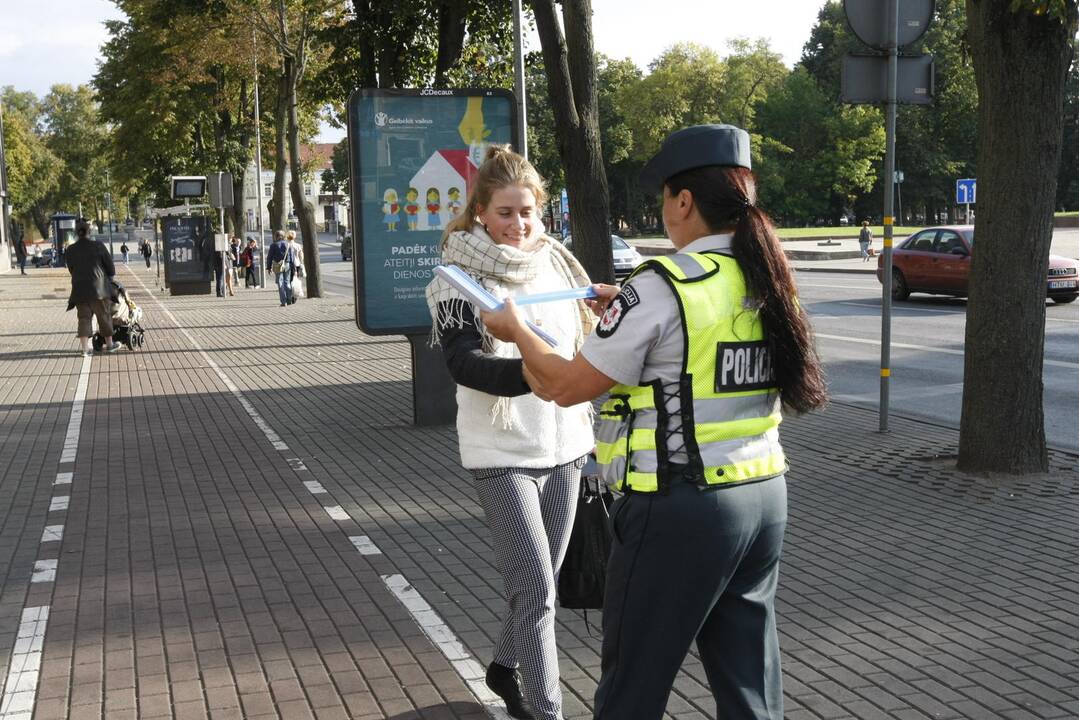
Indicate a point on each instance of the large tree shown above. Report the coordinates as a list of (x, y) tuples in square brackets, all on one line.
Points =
[(33, 170), (815, 156), (1022, 50), (176, 86), (570, 62), (293, 29)]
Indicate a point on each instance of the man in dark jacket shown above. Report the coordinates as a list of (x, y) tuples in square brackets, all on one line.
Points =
[(20, 250), (91, 268)]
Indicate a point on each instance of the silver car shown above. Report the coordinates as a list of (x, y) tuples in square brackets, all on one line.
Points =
[(625, 256)]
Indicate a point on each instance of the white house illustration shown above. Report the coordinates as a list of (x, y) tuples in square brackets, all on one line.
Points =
[(443, 171)]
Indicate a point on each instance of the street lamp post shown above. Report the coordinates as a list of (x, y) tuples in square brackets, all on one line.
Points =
[(108, 206), (258, 169)]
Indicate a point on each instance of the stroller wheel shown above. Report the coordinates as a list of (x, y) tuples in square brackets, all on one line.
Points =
[(98, 342)]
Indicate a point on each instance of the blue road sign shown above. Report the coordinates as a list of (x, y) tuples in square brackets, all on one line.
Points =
[(965, 191)]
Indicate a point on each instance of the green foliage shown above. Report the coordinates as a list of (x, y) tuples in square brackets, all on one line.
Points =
[(33, 170), (392, 45), (1068, 178), (1062, 10), (814, 157)]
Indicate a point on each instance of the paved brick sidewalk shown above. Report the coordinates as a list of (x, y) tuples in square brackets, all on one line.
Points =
[(249, 486)]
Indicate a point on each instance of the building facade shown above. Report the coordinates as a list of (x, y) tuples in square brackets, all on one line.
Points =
[(331, 209)]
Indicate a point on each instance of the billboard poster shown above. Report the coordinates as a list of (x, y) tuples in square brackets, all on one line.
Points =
[(189, 247), (412, 157)]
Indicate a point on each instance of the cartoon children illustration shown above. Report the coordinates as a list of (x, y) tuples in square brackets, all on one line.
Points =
[(434, 204), (453, 201), (412, 208), (390, 209)]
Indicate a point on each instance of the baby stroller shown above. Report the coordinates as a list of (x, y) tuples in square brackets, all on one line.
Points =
[(125, 320)]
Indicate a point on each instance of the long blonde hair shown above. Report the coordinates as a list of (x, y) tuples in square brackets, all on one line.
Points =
[(501, 168)]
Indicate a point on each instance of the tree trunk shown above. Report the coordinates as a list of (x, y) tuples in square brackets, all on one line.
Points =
[(451, 37), (304, 211), (239, 197), (278, 213), (571, 85), (1020, 60)]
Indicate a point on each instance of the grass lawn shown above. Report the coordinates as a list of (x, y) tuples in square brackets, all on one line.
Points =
[(841, 232), (827, 232), (1073, 213)]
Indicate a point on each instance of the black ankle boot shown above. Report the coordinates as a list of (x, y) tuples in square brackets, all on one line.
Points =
[(506, 683)]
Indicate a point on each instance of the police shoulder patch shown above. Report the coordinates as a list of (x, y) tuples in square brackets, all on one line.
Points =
[(623, 302)]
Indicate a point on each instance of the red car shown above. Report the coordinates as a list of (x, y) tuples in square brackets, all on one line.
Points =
[(937, 260)]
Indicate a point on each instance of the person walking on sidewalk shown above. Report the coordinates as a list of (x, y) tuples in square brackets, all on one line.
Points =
[(20, 253), (280, 261), (525, 454), (234, 260), (91, 268), (718, 344), (123, 252), (865, 238), (147, 251), (295, 267), (249, 261)]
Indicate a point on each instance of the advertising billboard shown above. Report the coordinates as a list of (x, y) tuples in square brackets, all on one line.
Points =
[(189, 250), (412, 157)]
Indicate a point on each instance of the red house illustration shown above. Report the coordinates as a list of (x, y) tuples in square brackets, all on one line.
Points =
[(445, 169)]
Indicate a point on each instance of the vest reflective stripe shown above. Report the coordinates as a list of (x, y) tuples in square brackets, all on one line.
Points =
[(733, 436)]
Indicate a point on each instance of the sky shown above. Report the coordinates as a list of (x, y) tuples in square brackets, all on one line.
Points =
[(45, 42)]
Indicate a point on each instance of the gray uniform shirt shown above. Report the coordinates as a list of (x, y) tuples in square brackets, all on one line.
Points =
[(639, 338)]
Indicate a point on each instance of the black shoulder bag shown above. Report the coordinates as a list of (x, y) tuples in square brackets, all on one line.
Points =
[(584, 571)]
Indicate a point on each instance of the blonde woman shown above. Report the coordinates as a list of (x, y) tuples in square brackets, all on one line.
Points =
[(525, 454)]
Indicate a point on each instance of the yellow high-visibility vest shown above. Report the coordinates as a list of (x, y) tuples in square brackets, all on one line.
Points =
[(728, 398)]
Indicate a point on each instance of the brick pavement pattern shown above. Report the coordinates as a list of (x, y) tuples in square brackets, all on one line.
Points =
[(200, 573)]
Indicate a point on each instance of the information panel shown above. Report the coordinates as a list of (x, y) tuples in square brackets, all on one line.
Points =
[(188, 247), (413, 155)]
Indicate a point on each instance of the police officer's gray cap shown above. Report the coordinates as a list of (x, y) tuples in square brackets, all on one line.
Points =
[(694, 147)]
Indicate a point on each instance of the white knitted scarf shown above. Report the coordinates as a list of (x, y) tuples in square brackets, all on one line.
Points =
[(493, 265)]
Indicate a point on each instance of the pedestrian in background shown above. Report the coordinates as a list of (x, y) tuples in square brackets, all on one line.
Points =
[(295, 250), (717, 346), (123, 252), (147, 251), (20, 253), (91, 268), (279, 259), (865, 238), (249, 262), (234, 258), (525, 454)]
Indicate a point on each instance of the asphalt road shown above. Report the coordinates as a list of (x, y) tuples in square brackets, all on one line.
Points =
[(927, 352), (927, 347)]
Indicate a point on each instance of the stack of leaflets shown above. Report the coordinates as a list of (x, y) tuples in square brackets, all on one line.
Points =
[(484, 300)]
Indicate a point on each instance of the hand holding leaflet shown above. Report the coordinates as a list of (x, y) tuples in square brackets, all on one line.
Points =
[(480, 297)]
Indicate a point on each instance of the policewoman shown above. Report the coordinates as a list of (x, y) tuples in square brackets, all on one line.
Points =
[(700, 351)]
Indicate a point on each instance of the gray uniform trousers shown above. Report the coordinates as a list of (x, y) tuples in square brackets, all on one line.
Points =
[(694, 564), (530, 514)]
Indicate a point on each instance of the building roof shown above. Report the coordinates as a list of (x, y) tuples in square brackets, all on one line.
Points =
[(318, 155)]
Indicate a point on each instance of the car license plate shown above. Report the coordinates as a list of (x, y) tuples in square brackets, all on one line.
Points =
[(1061, 284)]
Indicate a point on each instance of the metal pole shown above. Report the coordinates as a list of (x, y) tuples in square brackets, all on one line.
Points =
[(157, 250), (108, 205), (519, 80), (258, 168), (224, 267), (889, 187)]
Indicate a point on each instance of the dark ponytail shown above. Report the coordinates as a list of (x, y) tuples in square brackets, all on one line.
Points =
[(726, 198)]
